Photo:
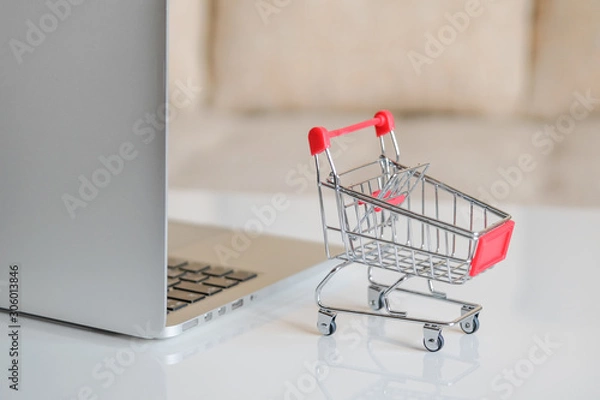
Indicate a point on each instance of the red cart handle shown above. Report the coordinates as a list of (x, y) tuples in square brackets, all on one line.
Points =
[(319, 137)]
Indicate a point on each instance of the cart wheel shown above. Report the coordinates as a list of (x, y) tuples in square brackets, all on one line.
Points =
[(326, 323), (433, 344), (375, 298), (470, 326), (332, 328)]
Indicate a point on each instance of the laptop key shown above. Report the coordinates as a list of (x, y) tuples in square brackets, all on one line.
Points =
[(174, 273), (209, 290), (181, 295), (194, 277), (174, 305), (218, 271), (241, 276), (174, 262), (172, 282), (220, 282), (198, 288), (195, 267)]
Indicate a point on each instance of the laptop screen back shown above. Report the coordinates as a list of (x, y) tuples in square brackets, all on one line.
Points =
[(82, 159)]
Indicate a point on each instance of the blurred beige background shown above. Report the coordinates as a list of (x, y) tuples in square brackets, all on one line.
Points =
[(502, 97)]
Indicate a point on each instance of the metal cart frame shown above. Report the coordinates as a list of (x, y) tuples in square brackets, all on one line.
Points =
[(399, 219)]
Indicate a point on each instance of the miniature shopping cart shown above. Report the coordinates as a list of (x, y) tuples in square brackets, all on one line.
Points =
[(397, 220)]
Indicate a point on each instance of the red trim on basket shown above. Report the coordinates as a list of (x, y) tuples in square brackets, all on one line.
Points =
[(492, 248)]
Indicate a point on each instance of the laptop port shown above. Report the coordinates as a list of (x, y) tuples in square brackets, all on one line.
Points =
[(237, 304), (222, 310), (208, 317), (190, 324)]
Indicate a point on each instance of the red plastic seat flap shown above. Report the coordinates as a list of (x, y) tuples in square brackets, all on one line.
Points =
[(492, 248)]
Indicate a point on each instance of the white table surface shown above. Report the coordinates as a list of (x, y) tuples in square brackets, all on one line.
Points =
[(545, 292)]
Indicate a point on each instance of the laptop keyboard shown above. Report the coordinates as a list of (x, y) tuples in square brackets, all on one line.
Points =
[(190, 282)]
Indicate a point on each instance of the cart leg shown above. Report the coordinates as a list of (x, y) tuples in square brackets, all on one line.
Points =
[(471, 324), (439, 295), (386, 294), (432, 337), (327, 278), (326, 322)]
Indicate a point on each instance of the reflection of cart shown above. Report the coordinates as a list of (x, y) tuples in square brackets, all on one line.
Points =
[(425, 376), (394, 218)]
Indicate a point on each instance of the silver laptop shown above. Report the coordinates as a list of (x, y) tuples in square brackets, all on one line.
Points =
[(83, 179)]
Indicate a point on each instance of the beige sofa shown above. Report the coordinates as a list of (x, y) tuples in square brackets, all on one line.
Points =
[(502, 97)]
